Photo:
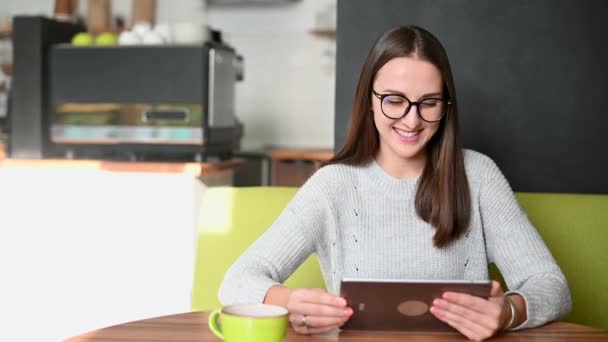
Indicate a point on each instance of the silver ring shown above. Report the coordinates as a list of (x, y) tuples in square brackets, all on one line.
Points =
[(304, 321)]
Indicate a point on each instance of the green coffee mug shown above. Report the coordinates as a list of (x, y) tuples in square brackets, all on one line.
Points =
[(250, 322)]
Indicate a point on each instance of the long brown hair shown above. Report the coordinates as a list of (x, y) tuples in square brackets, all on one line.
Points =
[(443, 197)]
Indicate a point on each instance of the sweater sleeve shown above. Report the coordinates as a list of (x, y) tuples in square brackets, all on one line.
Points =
[(275, 255), (520, 253)]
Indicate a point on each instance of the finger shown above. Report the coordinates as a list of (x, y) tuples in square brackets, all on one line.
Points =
[(321, 310), (497, 295), (318, 296), (307, 330), (464, 318), (489, 319), (470, 334), (296, 320), (475, 303), (321, 330), (452, 318), (300, 329), (321, 321), (496, 290)]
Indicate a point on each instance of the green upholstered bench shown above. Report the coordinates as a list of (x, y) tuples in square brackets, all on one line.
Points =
[(573, 226), (231, 220)]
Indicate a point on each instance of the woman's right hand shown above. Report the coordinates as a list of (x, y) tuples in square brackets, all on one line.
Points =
[(314, 311)]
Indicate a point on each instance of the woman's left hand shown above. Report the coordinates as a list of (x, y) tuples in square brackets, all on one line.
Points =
[(476, 318)]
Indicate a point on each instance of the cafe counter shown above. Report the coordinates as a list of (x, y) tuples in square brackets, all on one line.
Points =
[(114, 240)]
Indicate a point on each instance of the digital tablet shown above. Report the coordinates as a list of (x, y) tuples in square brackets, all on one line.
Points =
[(401, 304)]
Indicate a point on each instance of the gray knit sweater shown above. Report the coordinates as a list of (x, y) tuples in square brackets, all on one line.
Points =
[(362, 223)]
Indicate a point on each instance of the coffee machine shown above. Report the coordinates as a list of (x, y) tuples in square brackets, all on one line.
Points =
[(165, 102)]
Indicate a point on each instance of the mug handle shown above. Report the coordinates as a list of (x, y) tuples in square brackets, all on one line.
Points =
[(215, 328)]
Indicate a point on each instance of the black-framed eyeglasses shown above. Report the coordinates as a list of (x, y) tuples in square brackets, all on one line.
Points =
[(430, 109)]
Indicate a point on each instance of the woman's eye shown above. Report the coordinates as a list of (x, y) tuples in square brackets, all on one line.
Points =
[(394, 100), (430, 103)]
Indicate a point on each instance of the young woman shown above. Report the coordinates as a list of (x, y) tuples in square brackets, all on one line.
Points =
[(403, 200)]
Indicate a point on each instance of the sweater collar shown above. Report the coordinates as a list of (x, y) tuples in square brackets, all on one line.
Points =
[(387, 182)]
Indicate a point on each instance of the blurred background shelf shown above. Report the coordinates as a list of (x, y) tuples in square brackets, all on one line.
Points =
[(5, 32), (329, 32)]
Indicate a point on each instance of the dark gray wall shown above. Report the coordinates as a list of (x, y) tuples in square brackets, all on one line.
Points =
[(531, 80)]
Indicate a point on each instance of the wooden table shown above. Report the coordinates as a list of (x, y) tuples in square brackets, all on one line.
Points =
[(193, 327)]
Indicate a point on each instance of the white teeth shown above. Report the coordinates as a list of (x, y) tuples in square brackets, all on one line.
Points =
[(406, 134)]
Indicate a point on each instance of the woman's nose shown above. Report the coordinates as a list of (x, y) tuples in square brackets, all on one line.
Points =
[(411, 118)]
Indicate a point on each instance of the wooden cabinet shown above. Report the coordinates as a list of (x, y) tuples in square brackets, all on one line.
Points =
[(292, 167)]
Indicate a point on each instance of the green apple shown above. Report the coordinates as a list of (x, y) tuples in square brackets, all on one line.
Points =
[(106, 38), (82, 39)]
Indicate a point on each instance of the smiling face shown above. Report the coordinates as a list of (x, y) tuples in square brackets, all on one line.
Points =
[(403, 141)]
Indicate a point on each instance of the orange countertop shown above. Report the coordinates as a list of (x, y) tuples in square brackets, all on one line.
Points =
[(196, 169), (301, 154)]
